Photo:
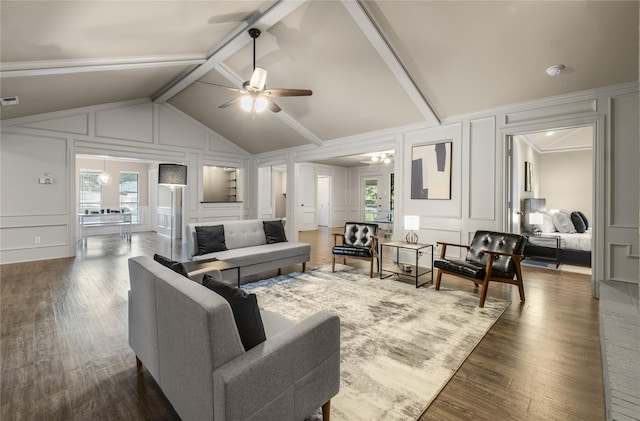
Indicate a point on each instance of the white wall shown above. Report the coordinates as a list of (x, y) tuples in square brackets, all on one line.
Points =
[(39, 221), (478, 192), (565, 181), (161, 133)]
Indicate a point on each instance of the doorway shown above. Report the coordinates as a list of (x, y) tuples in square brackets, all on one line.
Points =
[(557, 167)]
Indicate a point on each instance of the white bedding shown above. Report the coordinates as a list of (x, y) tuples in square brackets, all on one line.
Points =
[(577, 241)]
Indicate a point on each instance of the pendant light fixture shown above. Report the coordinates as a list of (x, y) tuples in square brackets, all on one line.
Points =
[(104, 179)]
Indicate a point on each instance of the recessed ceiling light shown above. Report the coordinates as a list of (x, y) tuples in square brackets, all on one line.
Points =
[(555, 70), (550, 133)]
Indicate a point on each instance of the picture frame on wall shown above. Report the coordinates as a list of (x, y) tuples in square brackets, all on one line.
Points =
[(431, 171), (528, 175)]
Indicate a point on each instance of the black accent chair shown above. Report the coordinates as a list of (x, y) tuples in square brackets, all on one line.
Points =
[(492, 256), (359, 241)]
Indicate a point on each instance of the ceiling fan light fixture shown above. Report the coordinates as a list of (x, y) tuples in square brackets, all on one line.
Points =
[(375, 158), (261, 104), (246, 103), (258, 79), (387, 160)]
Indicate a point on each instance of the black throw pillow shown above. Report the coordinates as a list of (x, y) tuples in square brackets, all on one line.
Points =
[(210, 239), (274, 231), (584, 219), (177, 267), (578, 222), (246, 312)]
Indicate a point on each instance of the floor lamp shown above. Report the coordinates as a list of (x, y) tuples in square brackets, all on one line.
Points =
[(172, 176)]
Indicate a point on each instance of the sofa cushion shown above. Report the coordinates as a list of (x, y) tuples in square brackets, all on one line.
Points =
[(461, 267), (171, 264), (351, 251), (210, 239), (245, 311), (274, 231), (256, 255)]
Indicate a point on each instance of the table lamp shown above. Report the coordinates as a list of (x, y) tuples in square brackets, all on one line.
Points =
[(172, 176), (411, 223)]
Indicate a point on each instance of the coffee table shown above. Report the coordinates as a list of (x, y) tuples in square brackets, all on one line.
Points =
[(197, 267)]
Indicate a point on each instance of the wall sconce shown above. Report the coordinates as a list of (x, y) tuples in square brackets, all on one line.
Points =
[(46, 179), (411, 223)]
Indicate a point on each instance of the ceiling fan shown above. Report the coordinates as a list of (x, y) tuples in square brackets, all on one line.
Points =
[(254, 97)]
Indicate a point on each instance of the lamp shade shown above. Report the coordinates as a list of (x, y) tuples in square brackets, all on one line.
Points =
[(536, 218), (411, 222), (172, 174)]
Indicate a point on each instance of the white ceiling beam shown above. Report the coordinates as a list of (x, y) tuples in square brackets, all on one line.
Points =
[(233, 42), (59, 67), (379, 41)]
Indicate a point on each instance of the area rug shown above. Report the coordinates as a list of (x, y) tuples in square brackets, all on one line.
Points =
[(400, 344)]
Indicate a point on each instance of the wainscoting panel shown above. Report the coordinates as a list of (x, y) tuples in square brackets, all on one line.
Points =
[(482, 169), (131, 123)]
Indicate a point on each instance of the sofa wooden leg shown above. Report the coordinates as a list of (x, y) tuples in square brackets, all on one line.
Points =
[(371, 269), (304, 266), (326, 411), (138, 363), (279, 271), (333, 265)]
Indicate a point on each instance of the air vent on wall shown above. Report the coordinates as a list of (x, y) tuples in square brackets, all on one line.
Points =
[(9, 100)]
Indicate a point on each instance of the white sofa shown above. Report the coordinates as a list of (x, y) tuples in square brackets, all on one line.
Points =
[(186, 337), (247, 247)]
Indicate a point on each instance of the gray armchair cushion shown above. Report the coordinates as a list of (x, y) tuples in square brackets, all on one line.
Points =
[(245, 311)]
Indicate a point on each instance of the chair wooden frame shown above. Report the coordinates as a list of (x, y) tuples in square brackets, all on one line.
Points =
[(373, 251), (517, 258)]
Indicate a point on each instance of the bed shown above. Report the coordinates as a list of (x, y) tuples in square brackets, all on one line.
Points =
[(545, 242)]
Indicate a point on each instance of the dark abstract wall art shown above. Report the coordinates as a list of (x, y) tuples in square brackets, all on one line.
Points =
[(431, 171)]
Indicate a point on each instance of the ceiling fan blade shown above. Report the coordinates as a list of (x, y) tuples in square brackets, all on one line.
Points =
[(287, 92), (222, 86), (273, 106), (232, 102)]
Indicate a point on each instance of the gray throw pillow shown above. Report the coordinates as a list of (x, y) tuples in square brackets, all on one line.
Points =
[(274, 231), (246, 312), (210, 239)]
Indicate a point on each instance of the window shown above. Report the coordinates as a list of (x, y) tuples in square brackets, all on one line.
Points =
[(90, 191), (129, 189)]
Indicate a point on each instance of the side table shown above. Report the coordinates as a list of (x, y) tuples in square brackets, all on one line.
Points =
[(413, 271), (210, 265), (545, 241)]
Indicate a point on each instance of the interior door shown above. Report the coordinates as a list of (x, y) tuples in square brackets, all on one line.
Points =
[(324, 205), (307, 197)]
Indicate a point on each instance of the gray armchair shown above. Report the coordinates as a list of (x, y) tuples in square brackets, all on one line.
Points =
[(359, 241)]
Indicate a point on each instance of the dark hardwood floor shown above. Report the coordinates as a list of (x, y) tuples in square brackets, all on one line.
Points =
[(64, 350)]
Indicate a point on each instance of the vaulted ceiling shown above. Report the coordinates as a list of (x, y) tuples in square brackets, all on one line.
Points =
[(371, 64)]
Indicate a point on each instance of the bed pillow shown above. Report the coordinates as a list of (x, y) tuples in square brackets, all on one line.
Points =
[(547, 225), (578, 222), (210, 239), (584, 219), (563, 223), (274, 231), (246, 312)]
